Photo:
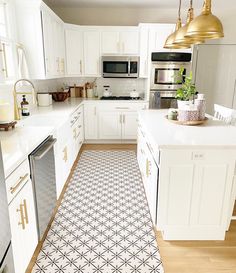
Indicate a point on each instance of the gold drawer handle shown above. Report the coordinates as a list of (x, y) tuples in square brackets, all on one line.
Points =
[(148, 170), (65, 157), (23, 214), (21, 180)]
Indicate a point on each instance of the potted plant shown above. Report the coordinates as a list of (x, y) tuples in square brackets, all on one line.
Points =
[(185, 95)]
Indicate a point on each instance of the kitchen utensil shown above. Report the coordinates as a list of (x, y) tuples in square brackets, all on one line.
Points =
[(90, 93)]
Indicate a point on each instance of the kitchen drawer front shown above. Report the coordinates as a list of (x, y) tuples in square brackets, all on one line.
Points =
[(77, 115), (17, 180), (120, 107)]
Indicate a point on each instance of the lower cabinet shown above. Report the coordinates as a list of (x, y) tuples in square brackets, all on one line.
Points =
[(23, 227), (111, 121), (110, 124), (90, 121)]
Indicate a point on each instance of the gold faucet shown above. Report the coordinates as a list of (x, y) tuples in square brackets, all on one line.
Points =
[(15, 93)]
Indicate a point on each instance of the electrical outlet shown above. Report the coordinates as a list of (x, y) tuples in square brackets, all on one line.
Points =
[(198, 156)]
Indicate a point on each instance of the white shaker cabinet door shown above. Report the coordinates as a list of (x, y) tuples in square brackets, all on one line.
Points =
[(129, 42), (110, 123), (129, 125), (23, 227), (92, 53), (110, 42), (74, 52), (90, 122)]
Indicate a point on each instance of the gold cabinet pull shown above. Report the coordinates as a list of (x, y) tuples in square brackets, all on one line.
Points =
[(3, 50), (26, 212), (80, 63), (120, 118), (21, 216), (65, 157), (148, 170), (123, 118), (21, 180)]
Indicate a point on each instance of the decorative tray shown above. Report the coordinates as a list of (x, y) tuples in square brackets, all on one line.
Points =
[(190, 122)]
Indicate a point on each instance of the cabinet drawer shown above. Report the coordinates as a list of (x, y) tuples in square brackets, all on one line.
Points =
[(122, 107), (77, 115), (17, 180)]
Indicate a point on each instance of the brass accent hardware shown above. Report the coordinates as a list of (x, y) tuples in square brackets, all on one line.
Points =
[(122, 108), (15, 93), (58, 64), (120, 118), (123, 118), (3, 50), (21, 216), (80, 63), (148, 171), (65, 157), (26, 212), (22, 178), (62, 65)]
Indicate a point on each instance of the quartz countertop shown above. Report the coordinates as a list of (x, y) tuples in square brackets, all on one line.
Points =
[(17, 144), (168, 135)]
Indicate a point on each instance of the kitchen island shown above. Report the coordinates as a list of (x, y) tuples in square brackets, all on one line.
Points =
[(188, 173)]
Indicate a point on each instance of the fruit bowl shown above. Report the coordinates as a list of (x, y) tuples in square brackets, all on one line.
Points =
[(60, 96)]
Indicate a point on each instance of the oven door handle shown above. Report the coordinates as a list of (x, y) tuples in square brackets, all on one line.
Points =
[(44, 149)]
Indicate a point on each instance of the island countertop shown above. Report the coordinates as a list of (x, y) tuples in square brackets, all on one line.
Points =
[(168, 135)]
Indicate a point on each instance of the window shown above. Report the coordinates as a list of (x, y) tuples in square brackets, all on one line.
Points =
[(3, 20), (7, 43)]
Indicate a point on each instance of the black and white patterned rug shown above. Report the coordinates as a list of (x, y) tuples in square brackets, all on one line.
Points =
[(103, 224)]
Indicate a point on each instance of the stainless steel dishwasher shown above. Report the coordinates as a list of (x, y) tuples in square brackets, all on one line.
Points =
[(42, 165)]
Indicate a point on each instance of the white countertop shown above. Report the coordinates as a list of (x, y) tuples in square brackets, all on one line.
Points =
[(167, 135), (17, 144)]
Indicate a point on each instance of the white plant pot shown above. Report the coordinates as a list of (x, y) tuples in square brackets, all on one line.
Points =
[(182, 104)]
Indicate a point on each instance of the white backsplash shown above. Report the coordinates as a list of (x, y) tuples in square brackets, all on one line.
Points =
[(118, 87)]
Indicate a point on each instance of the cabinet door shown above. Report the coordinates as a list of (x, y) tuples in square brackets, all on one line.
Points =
[(48, 41), (150, 182), (110, 123), (129, 125), (90, 121), (23, 227), (110, 42), (129, 42), (74, 52), (92, 53), (144, 52)]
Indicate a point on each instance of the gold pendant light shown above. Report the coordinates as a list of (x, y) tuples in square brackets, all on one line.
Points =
[(171, 38), (180, 35), (206, 25)]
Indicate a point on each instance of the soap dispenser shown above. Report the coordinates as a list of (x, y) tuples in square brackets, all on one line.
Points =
[(24, 107)]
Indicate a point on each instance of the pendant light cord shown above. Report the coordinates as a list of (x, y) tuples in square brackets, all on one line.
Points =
[(180, 3)]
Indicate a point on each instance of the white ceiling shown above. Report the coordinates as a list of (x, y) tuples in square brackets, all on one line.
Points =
[(135, 3)]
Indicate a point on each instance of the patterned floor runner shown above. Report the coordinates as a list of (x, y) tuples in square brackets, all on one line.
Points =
[(103, 224)]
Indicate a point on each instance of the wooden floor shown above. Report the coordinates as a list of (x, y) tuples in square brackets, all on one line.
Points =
[(183, 256)]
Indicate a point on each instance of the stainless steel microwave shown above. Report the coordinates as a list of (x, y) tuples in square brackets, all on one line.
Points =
[(120, 66)]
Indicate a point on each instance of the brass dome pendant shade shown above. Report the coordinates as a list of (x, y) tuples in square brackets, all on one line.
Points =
[(206, 25), (180, 35), (171, 38)]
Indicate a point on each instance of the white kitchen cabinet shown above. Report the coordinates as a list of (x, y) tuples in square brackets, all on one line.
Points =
[(196, 201), (23, 227), (120, 40), (92, 53), (90, 121), (145, 56), (212, 62), (40, 30), (74, 52), (110, 123), (129, 125)]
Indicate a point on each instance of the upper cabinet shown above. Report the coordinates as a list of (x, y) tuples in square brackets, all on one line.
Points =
[(41, 32), (122, 40), (82, 51)]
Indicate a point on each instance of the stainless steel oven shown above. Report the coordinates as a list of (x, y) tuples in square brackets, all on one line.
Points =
[(120, 66), (162, 100), (165, 70)]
